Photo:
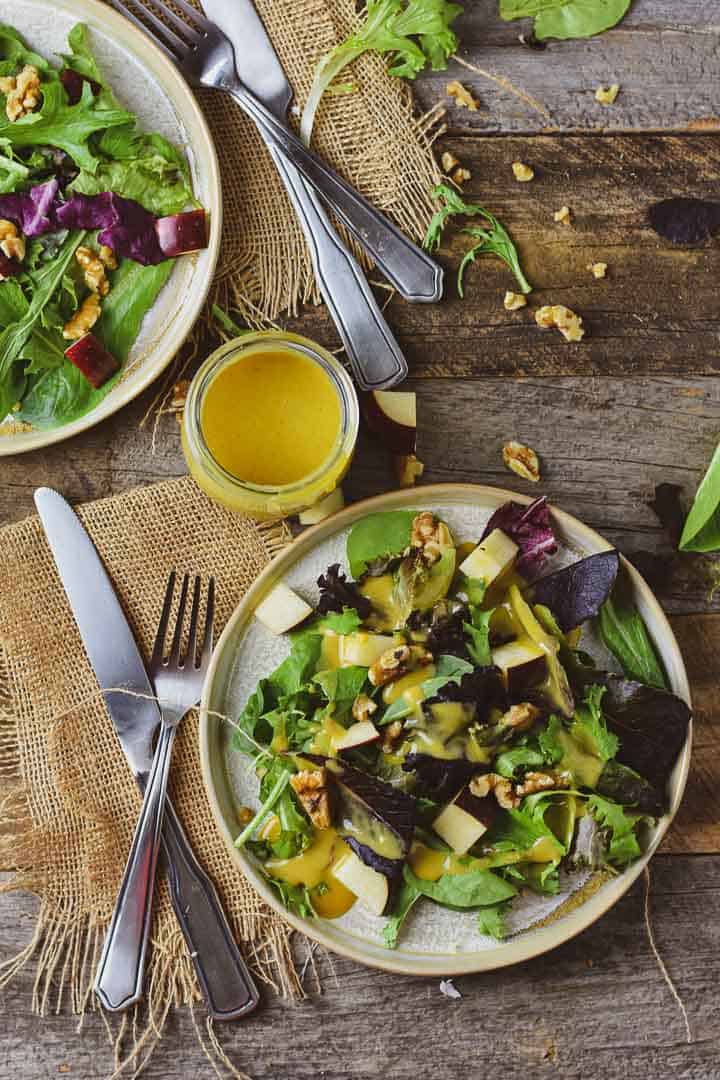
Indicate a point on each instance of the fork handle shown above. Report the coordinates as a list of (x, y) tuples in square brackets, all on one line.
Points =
[(373, 352), (120, 975), (414, 274)]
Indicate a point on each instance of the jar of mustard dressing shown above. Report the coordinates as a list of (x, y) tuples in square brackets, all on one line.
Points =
[(270, 424)]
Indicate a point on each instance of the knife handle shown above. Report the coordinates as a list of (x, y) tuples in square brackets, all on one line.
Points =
[(226, 983), (414, 274), (374, 354)]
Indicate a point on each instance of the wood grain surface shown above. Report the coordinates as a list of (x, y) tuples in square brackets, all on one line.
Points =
[(635, 404)]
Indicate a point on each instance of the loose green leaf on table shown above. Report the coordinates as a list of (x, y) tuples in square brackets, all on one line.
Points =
[(566, 18), (702, 526)]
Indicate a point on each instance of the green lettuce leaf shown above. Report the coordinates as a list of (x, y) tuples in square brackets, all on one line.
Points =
[(476, 888), (624, 845), (378, 535), (407, 896), (624, 633), (701, 531), (491, 920), (478, 632), (566, 18)]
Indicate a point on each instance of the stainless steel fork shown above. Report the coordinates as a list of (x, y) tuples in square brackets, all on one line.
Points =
[(205, 57), (178, 684)]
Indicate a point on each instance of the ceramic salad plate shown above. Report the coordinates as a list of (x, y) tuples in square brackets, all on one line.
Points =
[(435, 939), (146, 84)]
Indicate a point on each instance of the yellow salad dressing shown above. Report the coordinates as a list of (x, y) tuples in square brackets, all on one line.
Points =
[(314, 867)]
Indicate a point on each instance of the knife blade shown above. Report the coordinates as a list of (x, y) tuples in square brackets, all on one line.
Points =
[(227, 985), (255, 58)]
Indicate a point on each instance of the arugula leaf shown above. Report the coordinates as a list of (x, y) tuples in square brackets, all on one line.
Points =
[(15, 53), (412, 33), (520, 757), (59, 395), (341, 686), (406, 898), (476, 888), (624, 846), (701, 531), (493, 239), (296, 898), (491, 920), (376, 535), (624, 633), (479, 633), (566, 18)]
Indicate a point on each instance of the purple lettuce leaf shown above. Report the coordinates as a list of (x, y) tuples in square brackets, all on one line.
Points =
[(530, 528), (127, 228), (32, 211)]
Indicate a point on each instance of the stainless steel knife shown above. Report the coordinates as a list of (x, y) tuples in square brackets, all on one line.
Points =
[(226, 983), (414, 274)]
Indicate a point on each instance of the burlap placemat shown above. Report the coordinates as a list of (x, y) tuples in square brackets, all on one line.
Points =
[(69, 803)]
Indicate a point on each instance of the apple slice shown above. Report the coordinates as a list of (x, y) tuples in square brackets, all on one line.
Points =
[(392, 415), (179, 234), (323, 509), (282, 609), (90, 356), (359, 734), (362, 649), (370, 886), (491, 558), (523, 664), (465, 820)]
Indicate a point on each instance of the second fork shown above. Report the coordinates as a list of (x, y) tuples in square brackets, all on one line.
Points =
[(178, 683)]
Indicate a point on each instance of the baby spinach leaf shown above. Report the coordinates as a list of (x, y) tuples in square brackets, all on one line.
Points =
[(406, 898), (341, 686), (476, 888), (491, 920), (59, 395), (702, 527), (624, 633), (566, 18), (133, 292), (386, 533)]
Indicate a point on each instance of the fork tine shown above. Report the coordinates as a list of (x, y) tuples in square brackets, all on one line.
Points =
[(159, 647), (196, 17), (175, 49), (174, 658), (181, 24), (209, 617), (194, 619)]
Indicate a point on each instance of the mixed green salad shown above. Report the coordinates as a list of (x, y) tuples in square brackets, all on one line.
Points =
[(438, 731), (93, 211)]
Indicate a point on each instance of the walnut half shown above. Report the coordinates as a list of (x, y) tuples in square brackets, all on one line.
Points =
[(312, 789), (23, 92), (522, 460)]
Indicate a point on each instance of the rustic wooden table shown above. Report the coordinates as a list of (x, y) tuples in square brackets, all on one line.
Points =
[(637, 403)]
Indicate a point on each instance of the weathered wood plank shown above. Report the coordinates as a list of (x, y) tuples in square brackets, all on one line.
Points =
[(596, 1007), (663, 54), (655, 312)]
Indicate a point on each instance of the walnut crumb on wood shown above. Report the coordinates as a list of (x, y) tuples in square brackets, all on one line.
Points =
[(522, 172), (598, 269), (522, 460), (462, 97), (448, 161), (460, 175), (561, 318), (606, 95), (514, 300), (563, 216)]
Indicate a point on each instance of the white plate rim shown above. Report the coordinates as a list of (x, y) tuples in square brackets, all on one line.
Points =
[(532, 942), (162, 352)]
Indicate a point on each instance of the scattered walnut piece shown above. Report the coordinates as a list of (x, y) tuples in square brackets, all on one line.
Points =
[(84, 318), (178, 399), (462, 97), (522, 716), (563, 215), (522, 460), (392, 735), (363, 707), (563, 319), (522, 172), (12, 243), (606, 94), (541, 781), (23, 92), (448, 161), (93, 269), (311, 788), (408, 469), (514, 300), (107, 257), (397, 661), (245, 815), (502, 789), (460, 175), (598, 269)]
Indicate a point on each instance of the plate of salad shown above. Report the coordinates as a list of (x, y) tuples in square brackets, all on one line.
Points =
[(110, 216), (446, 729)]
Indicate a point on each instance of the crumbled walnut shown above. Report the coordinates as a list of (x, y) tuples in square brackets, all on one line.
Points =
[(606, 94), (462, 97), (514, 300), (522, 716), (598, 269), (408, 469), (245, 814), (23, 92), (522, 460), (522, 172), (392, 735), (563, 215), (448, 161), (397, 661), (84, 318), (363, 707), (460, 175), (430, 535), (12, 243), (93, 269), (566, 321), (107, 257), (540, 781), (311, 788), (502, 789)]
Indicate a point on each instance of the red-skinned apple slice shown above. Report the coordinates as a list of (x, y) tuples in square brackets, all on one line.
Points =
[(90, 356), (9, 267), (359, 734), (465, 820), (392, 415), (179, 234)]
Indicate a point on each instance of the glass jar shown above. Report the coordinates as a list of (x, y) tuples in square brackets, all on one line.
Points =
[(265, 501)]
